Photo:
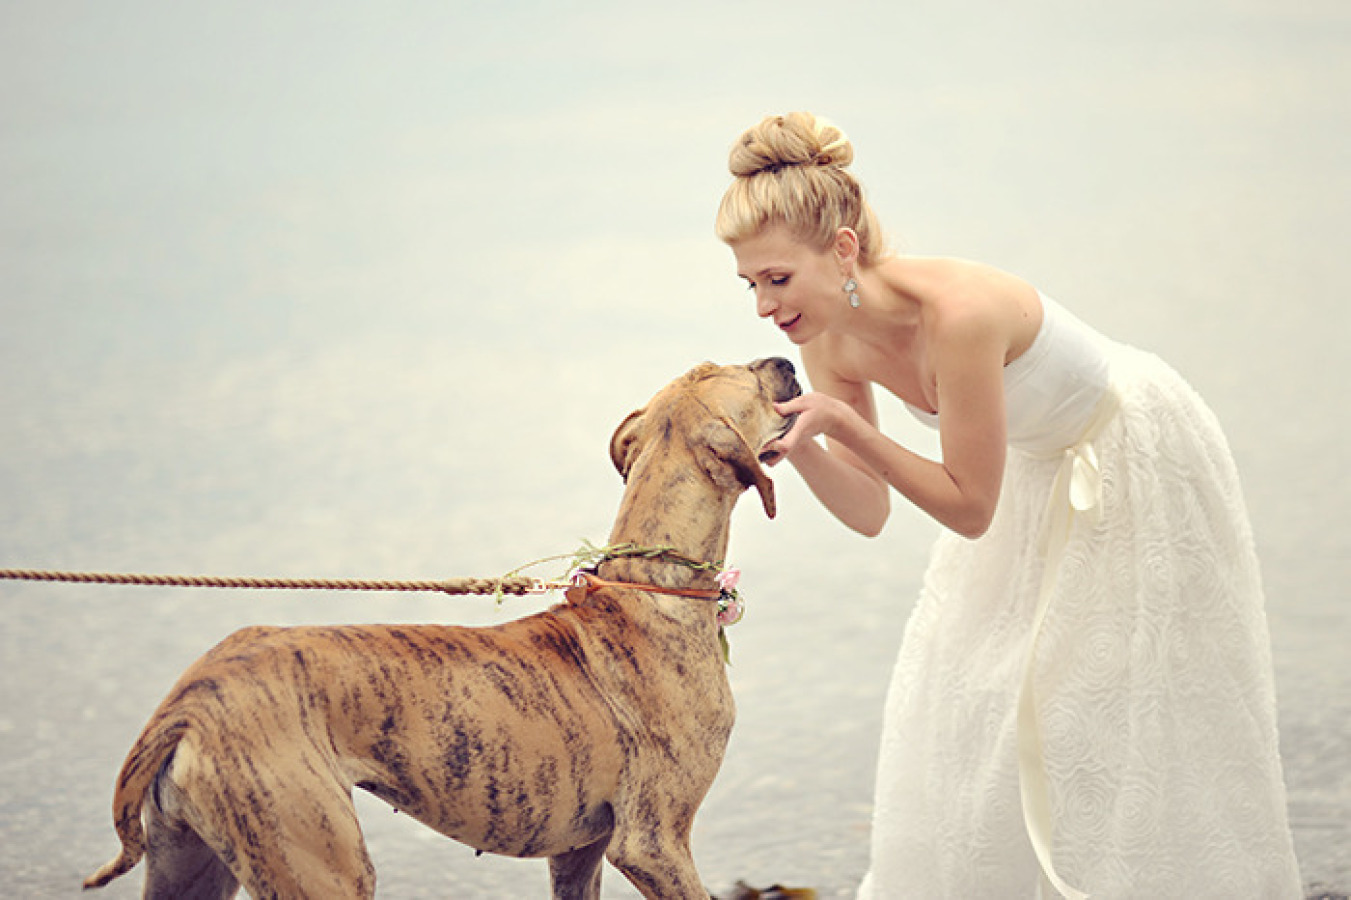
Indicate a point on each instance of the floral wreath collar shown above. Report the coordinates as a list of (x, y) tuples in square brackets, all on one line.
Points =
[(582, 580)]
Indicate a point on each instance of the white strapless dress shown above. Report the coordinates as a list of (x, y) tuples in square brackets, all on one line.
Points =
[(1132, 631)]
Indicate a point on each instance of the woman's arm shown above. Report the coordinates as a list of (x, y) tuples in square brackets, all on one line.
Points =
[(844, 484), (850, 474)]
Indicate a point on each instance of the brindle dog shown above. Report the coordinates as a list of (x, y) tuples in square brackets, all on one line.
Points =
[(592, 730)]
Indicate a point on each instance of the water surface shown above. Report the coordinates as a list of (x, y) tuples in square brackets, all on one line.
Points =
[(321, 290)]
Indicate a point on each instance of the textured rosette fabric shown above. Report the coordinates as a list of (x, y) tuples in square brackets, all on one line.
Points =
[(1152, 674)]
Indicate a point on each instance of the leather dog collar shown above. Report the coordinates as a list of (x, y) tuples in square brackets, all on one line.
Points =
[(584, 584)]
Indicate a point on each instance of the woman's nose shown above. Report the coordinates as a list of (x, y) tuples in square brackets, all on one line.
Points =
[(764, 306)]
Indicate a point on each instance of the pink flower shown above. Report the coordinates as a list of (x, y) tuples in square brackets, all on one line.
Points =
[(730, 610), (728, 579)]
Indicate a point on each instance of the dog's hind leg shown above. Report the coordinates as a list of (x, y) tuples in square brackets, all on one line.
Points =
[(575, 875), (285, 830), (179, 864)]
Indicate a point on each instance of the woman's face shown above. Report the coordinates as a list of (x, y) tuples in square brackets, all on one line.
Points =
[(796, 285)]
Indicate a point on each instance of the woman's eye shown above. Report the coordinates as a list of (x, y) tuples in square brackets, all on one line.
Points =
[(779, 280)]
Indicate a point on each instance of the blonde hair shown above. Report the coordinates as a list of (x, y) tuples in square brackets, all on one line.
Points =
[(793, 169)]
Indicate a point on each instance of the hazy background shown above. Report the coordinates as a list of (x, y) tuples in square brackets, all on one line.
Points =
[(334, 289)]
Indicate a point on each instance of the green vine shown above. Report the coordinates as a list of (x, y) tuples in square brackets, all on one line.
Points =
[(588, 558)]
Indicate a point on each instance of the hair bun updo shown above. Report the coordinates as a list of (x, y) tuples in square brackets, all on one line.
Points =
[(793, 169), (794, 139)]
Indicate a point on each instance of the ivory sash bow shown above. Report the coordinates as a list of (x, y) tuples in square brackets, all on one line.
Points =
[(1076, 490)]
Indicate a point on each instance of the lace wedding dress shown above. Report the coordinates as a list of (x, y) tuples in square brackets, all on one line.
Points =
[(1144, 757)]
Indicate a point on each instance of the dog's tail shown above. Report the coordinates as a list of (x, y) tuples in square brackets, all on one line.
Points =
[(148, 755)]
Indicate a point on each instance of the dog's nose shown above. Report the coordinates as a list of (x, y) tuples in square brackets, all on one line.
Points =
[(782, 377), (781, 366)]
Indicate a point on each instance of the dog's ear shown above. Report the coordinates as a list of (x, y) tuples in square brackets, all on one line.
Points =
[(623, 442), (732, 449)]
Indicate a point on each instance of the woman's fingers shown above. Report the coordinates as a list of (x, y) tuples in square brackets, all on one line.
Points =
[(808, 409)]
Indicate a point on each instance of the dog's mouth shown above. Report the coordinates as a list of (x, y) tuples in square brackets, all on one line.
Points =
[(780, 377), (769, 456)]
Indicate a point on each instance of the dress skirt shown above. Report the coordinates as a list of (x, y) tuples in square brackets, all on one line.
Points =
[(1151, 674)]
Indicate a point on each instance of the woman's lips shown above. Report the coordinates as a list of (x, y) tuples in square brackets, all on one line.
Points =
[(789, 325)]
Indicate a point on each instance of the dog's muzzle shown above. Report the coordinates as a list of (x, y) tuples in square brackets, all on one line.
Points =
[(780, 378), (778, 374)]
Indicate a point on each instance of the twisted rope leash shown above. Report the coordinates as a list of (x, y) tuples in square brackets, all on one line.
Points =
[(511, 584), (584, 581)]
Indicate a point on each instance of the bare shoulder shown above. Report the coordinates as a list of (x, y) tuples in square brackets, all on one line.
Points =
[(971, 304), (957, 285)]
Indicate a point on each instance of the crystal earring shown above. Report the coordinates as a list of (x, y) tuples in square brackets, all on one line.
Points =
[(851, 288)]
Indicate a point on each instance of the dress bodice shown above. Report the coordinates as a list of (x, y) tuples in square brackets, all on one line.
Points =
[(1053, 388)]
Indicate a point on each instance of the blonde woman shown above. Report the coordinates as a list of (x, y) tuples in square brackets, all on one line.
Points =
[(1083, 699)]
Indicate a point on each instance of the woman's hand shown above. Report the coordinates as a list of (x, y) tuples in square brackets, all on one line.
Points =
[(817, 414), (852, 491)]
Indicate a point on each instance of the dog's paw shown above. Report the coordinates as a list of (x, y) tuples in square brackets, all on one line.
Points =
[(743, 891)]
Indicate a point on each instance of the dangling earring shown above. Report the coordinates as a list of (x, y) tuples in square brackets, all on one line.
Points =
[(851, 288)]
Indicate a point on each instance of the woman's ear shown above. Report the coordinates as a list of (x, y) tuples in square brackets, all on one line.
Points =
[(846, 247)]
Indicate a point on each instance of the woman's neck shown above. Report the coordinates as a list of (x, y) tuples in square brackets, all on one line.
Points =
[(892, 307)]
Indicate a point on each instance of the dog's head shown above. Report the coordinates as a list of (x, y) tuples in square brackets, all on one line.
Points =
[(725, 414)]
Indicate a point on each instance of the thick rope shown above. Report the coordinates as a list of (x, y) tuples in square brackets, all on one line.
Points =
[(510, 584)]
